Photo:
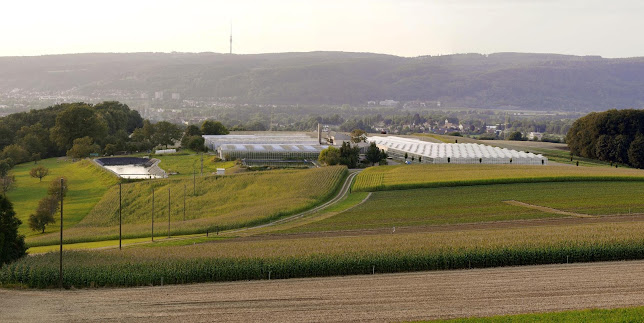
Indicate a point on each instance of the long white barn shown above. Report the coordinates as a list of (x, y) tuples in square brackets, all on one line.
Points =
[(442, 153)]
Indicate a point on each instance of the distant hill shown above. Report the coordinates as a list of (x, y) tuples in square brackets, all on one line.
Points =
[(523, 81)]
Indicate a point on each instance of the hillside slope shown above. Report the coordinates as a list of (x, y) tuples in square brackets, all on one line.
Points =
[(525, 81)]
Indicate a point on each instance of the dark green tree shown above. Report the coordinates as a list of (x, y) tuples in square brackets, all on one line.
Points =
[(16, 154), (636, 152), (166, 133), (192, 130), (516, 135), (5, 166), (12, 245), (210, 127), (349, 155), (195, 143), (373, 154), (82, 148), (77, 121), (44, 214)]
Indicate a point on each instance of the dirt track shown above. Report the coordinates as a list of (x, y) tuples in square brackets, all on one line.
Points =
[(390, 297)]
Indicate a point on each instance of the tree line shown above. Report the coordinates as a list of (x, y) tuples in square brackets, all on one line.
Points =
[(615, 136)]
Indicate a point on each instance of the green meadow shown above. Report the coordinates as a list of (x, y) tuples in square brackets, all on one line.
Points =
[(87, 184)]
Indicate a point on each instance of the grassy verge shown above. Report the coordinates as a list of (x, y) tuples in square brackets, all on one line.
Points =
[(630, 314)]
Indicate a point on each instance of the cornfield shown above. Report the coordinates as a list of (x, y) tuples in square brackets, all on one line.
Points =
[(327, 256), (443, 175)]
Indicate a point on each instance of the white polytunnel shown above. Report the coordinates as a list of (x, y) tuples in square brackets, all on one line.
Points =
[(463, 153)]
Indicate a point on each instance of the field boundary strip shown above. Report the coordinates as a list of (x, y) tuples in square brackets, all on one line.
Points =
[(548, 209)]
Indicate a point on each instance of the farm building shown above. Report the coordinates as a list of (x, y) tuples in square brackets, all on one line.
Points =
[(264, 148), (442, 153)]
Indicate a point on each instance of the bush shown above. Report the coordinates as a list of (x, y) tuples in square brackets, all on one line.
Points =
[(487, 136), (516, 136)]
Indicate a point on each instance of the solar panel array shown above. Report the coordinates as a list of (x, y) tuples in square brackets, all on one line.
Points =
[(464, 153)]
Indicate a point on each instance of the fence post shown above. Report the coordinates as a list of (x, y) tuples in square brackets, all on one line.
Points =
[(120, 222), (152, 213), (168, 212), (60, 274)]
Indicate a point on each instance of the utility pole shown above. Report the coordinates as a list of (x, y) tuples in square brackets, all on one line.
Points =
[(201, 164), (168, 212), (120, 222), (153, 213), (184, 202), (194, 182), (60, 275), (231, 37)]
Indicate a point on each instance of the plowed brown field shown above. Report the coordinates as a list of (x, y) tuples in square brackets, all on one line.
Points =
[(387, 297)]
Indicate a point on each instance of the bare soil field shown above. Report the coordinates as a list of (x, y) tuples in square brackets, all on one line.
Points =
[(386, 297)]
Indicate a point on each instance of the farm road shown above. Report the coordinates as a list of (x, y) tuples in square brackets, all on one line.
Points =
[(385, 297)]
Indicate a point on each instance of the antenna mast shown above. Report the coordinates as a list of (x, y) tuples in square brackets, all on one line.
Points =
[(231, 37)]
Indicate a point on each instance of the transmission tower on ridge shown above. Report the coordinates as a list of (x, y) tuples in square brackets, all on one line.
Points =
[(231, 38)]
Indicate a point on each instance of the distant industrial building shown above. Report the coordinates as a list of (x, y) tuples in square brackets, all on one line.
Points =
[(464, 153)]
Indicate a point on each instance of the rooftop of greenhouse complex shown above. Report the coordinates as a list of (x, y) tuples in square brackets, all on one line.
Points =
[(262, 138), (464, 153), (265, 146)]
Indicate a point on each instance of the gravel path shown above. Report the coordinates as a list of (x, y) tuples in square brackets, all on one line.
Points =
[(386, 297)]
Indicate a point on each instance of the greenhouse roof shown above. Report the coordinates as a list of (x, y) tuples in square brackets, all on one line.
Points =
[(444, 150), (272, 147)]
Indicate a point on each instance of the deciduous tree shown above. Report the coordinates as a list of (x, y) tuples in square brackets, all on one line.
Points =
[(166, 133), (39, 172), (44, 214), (82, 148)]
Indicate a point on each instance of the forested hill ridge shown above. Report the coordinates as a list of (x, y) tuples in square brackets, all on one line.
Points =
[(502, 80)]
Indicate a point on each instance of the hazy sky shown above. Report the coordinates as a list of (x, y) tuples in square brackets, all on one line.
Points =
[(403, 27)]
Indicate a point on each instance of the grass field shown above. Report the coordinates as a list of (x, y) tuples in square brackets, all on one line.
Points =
[(631, 314), (87, 184), (483, 203), (212, 203), (442, 175), (325, 256), (183, 164)]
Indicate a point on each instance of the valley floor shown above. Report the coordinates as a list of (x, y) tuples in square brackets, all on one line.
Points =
[(379, 297)]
